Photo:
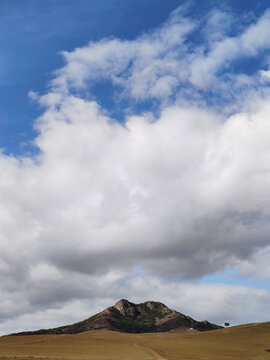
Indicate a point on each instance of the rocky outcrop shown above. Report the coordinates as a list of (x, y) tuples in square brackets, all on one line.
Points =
[(125, 316)]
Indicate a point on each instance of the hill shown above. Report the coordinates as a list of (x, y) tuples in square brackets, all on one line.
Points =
[(126, 316), (247, 342)]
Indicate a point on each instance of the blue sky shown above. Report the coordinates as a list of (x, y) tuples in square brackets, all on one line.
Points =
[(34, 32), (135, 158)]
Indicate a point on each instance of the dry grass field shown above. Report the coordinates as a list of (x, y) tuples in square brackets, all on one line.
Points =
[(241, 342)]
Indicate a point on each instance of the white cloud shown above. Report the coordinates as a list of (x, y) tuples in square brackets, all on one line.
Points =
[(253, 40), (165, 62), (182, 194), (265, 74), (257, 267)]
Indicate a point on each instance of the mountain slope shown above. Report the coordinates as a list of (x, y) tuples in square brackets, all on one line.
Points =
[(125, 316)]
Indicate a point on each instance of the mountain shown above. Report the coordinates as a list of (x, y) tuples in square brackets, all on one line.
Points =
[(150, 316)]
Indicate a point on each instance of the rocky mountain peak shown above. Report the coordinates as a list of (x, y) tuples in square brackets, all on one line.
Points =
[(126, 308), (157, 307)]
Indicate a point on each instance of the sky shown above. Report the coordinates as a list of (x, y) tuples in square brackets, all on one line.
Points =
[(134, 159)]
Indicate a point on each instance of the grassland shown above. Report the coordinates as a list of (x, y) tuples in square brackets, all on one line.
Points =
[(241, 342)]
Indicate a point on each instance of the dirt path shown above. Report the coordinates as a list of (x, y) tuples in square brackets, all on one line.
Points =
[(151, 351)]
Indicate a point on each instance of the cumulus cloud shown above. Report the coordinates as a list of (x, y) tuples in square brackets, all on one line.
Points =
[(182, 193), (182, 196)]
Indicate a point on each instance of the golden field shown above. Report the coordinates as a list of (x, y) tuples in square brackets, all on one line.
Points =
[(239, 342)]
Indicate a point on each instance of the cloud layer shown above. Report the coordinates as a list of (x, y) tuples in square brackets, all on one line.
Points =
[(181, 192)]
